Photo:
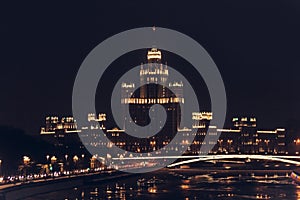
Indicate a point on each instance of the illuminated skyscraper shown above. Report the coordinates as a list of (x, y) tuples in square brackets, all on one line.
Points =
[(154, 90), (155, 72)]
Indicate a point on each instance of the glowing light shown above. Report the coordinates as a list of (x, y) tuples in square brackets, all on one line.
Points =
[(53, 159), (43, 132), (115, 130), (152, 100), (229, 130), (154, 54), (202, 115), (297, 141), (26, 160), (176, 84), (252, 119), (73, 131), (127, 85), (244, 119), (185, 187), (269, 132), (152, 190), (75, 158), (235, 119)]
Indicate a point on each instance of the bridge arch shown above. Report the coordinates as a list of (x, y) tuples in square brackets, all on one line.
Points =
[(284, 159)]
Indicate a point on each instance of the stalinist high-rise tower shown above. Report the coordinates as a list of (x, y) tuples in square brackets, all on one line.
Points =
[(155, 72), (155, 89)]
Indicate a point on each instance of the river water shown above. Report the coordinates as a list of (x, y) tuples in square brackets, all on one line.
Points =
[(188, 184)]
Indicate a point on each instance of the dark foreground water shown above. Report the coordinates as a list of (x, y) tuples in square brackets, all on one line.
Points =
[(188, 184)]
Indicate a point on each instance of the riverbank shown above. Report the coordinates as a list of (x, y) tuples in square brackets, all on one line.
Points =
[(28, 189)]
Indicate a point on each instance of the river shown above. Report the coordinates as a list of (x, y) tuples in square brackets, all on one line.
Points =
[(187, 184)]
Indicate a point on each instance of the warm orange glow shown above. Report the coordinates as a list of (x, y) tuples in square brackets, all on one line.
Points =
[(53, 159), (297, 141), (185, 187), (186, 181), (75, 158), (26, 160), (298, 192), (152, 190)]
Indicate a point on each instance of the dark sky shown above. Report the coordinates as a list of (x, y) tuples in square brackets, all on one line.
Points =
[(255, 44)]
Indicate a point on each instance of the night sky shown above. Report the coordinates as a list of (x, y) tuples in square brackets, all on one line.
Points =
[(255, 45)]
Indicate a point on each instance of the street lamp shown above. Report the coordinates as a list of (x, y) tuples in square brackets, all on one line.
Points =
[(26, 160), (47, 164), (93, 162), (53, 159), (82, 164), (297, 141), (75, 160)]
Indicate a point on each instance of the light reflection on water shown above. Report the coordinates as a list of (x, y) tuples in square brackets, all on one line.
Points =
[(190, 186)]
